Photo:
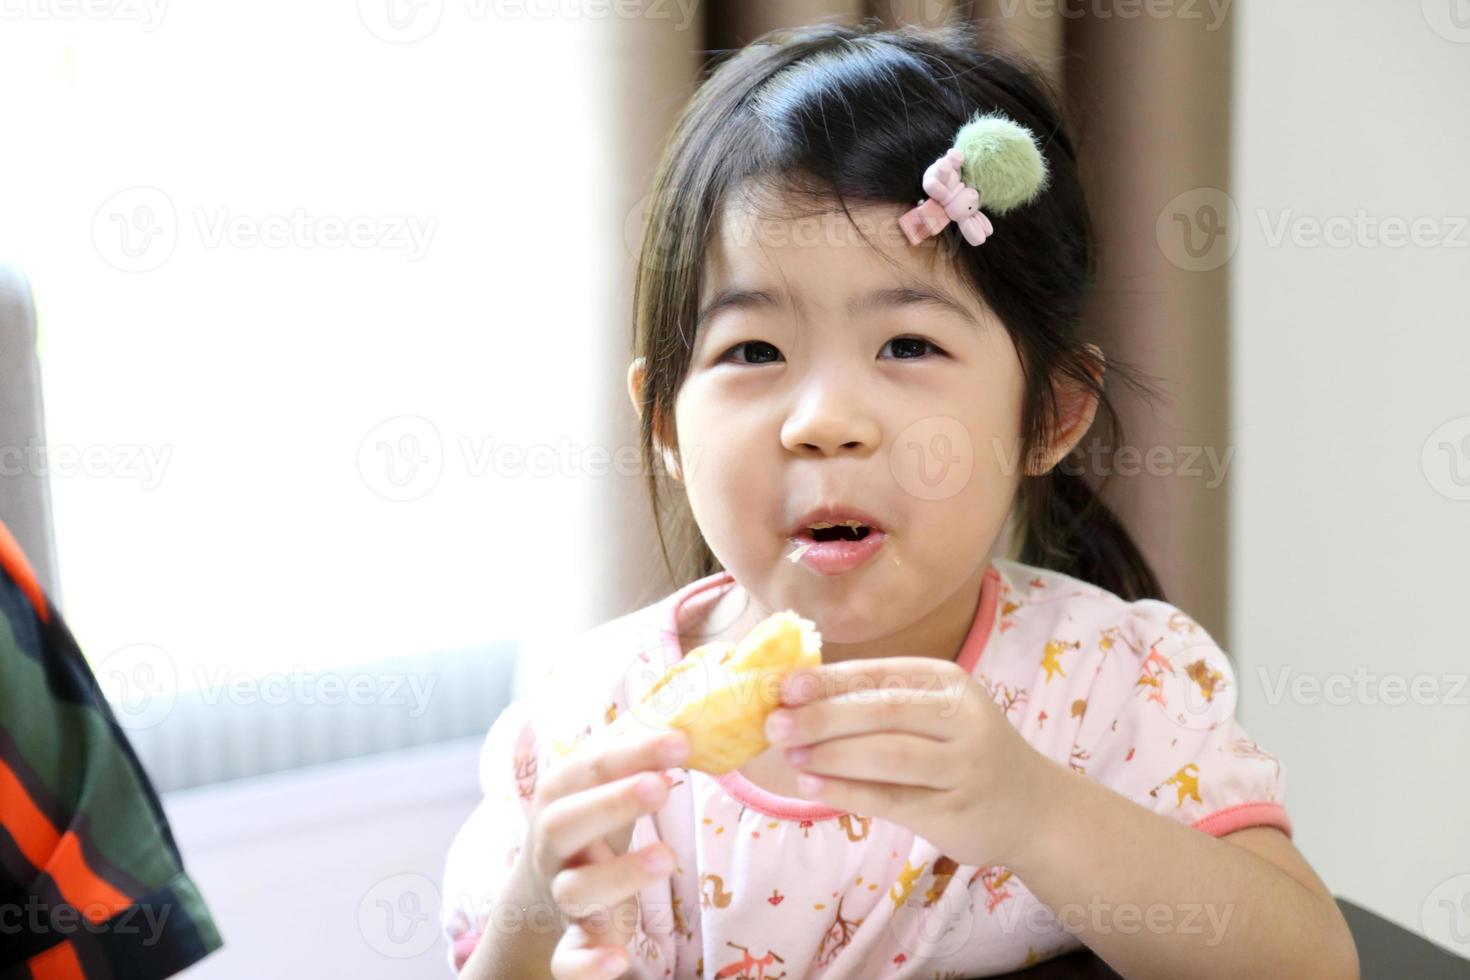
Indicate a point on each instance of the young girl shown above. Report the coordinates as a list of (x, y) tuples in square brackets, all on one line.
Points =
[(1000, 759)]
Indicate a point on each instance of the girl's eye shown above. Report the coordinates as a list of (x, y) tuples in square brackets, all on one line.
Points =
[(913, 345), (761, 352), (760, 347)]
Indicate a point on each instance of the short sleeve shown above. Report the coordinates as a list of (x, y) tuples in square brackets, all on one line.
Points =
[(1162, 726), (79, 815), (486, 846)]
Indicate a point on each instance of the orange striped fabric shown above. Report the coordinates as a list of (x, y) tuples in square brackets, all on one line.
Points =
[(13, 562), (57, 963), (91, 881)]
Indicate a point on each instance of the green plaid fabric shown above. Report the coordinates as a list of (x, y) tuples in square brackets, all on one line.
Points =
[(91, 882)]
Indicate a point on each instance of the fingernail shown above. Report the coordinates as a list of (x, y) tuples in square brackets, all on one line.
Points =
[(808, 784), (799, 754)]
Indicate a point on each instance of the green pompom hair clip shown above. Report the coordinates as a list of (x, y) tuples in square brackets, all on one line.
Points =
[(994, 160)]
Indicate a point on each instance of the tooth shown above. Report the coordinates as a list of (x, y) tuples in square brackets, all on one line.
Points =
[(854, 523), (820, 526)]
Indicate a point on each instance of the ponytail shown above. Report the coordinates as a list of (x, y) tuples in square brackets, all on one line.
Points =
[(1067, 528)]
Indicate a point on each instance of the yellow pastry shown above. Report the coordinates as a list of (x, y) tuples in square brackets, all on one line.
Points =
[(720, 693)]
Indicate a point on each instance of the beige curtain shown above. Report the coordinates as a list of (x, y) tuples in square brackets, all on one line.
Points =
[(1150, 100)]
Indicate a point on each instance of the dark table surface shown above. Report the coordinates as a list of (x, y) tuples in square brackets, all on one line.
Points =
[(1385, 949)]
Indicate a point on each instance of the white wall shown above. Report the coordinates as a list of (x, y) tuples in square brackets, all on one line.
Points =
[(1351, 525), (332, 870)]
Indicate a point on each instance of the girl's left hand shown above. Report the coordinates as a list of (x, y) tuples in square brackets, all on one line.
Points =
[(917, 741)]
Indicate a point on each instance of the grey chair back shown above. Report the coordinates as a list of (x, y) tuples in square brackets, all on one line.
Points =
[(25, 490)]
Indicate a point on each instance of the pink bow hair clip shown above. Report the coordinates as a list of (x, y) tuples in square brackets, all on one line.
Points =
[(950, 199)]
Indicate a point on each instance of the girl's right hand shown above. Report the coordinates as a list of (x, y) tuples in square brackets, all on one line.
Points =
[(580, 827)]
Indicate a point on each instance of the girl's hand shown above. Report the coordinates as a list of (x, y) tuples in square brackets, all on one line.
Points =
[(917, 741), (581, 824)]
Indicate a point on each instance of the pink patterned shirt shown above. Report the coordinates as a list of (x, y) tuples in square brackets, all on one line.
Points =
[(1134, 695)]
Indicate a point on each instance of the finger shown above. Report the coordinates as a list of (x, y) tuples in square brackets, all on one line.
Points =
[(594, 852), (569, 824), (582, 891), (892, 801), (885, 757), (929, 713), (827, 680), (598, 761), (578, 957)]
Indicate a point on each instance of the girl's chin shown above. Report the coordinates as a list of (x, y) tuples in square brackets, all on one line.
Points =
[(851, 618)]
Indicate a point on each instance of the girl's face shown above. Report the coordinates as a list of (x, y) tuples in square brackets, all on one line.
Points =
[(823, 375)]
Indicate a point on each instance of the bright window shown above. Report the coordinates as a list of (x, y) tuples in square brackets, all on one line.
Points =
[(310, 333)]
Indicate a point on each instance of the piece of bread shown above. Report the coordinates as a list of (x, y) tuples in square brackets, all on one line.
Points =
[(720, 693)]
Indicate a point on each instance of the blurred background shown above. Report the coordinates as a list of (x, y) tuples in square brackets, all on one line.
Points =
[(313, 418)]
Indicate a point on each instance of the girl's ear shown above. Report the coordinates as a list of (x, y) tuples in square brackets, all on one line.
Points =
[(635, 386), (1077, 406), (635, 393)]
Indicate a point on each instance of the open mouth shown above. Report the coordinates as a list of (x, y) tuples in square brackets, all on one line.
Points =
[(849, 531)]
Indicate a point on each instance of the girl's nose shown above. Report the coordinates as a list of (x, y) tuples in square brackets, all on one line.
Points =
[(831, 417)]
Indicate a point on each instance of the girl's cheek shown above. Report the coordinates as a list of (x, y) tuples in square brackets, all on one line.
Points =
[(935, 458)]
